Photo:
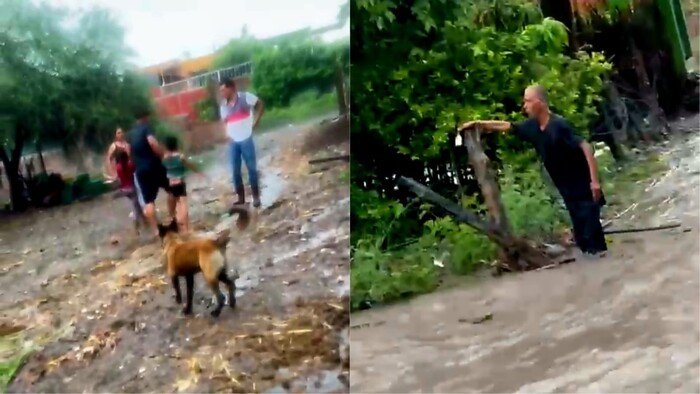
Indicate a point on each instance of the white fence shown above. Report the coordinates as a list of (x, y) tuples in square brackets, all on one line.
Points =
[(200, 81)]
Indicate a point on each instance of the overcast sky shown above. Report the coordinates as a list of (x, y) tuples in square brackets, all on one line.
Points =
[(161, 30)]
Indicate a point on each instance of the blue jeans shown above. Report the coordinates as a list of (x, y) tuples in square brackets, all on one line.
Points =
[(244, 150)]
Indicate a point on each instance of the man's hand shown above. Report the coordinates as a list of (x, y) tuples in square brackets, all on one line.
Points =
[(595, 189)]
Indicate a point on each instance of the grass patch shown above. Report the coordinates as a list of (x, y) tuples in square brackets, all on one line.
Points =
[(13, 353), (303, 107), (447, 249), (8, 369)]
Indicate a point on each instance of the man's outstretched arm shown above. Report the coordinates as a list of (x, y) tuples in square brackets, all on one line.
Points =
[(487, 125)]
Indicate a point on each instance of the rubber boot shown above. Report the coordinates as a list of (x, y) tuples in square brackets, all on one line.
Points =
[(241, 195), (256, 197)]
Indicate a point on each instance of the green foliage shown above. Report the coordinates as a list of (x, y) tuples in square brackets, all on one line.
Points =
[(381, 275), (301, 108), (531, 205), (164, 130), (8, 369), (62, 83), (237, 51), (286, 69), (207, 108), (426, 66)]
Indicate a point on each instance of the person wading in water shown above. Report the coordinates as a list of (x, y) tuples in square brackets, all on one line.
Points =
[(568, 160)]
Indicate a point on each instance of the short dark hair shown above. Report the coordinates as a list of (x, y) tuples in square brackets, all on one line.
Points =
[(142, 113), (171, 143), (228, 82)]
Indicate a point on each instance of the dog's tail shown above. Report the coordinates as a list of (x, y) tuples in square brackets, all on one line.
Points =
[(243, 216), (222, 239)]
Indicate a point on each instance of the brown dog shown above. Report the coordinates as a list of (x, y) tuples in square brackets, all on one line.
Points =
[(206, 255)]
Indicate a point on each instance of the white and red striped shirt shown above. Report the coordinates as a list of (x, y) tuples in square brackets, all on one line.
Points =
[(238, 116)]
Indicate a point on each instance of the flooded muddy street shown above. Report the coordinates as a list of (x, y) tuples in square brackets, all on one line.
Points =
[(92, 303), (626, 323)]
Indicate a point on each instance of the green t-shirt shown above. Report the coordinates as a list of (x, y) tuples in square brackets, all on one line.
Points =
[(174, 166)]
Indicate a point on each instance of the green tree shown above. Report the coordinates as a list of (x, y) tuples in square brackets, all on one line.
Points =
[(289, 65), (61, 82), (288, 70)]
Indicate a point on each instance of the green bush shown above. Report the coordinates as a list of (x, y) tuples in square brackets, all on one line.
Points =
[(380, 275), (288, 67), (164, 130), (302, 107)]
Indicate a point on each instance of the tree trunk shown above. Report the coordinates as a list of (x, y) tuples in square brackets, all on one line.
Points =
[(340, 90), (647, 92), (487, 180), (11, 164), (520, 254), (40, 152)]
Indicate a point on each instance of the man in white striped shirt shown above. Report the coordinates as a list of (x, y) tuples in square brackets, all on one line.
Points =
[(241, 113)]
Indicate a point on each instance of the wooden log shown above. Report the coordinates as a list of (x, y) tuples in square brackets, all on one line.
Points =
[(331, 158), (486, 178), (642, 229), (520, 254)]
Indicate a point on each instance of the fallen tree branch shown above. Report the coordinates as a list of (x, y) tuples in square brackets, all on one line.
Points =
[(520, 254), (331, 158), (643, 229)]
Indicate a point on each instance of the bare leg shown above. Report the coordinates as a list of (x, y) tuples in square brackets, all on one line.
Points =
[(172, 205), (183, 218), (149, 211), (138, 212)]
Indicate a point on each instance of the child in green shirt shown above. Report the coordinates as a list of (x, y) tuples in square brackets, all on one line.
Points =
[(176, 166)]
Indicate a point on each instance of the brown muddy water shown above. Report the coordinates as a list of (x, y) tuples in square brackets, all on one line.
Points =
[(627, 323)]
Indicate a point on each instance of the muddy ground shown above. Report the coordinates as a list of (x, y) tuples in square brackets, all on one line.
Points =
[(626, 323), (91, 299)]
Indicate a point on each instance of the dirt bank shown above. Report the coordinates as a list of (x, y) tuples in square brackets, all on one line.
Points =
[(627, 323), (94, 299)]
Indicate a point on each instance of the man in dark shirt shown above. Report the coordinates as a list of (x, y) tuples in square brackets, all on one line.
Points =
[(568, 160), (146, 154)]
